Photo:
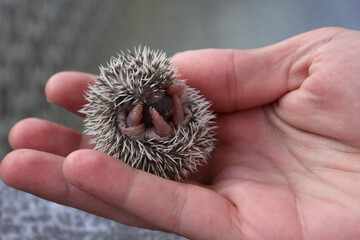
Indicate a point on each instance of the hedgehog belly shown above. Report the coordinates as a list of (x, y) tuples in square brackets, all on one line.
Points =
[(182, 154)]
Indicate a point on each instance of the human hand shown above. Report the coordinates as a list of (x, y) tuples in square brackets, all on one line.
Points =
[(286, 166)]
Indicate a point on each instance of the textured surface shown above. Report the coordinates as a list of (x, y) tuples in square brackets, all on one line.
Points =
[(143, 79), (39, 38)]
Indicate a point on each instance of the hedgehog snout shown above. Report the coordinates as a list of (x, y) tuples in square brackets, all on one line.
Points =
[(155, 120)]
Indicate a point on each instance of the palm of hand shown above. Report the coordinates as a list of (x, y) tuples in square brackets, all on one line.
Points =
[(292, 167), (286, 165)]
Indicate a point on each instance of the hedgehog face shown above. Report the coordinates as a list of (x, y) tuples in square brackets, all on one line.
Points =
[(162, 105), (157, 116)]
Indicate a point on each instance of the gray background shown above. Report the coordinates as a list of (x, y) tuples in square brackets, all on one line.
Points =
[(39, 38)]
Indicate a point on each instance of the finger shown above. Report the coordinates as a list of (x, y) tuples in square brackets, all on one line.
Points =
[(46, 136), (41, 174), (67, 90), (241, 79), (188, 210)]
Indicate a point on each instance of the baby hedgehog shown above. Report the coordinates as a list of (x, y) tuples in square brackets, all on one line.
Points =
[(140, 112)]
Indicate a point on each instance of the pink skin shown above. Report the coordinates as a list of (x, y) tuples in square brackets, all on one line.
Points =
[(178, 89), (181, 115), (135, 115), (161, 127), (130, 130), (131, 124)]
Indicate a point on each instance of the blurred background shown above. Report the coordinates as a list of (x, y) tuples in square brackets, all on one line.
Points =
[(39, 38)]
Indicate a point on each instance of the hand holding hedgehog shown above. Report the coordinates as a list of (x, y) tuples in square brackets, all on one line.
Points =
[(287, 162)]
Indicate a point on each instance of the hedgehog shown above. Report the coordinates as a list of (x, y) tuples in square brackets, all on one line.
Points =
[(140, 112)]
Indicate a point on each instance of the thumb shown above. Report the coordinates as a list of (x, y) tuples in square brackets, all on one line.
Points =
[(241, 79)]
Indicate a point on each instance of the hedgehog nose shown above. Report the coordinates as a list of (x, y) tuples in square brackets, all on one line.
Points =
[(166, 113)]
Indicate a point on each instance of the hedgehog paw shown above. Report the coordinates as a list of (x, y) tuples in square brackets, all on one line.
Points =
[(181, 115), (161, 127), (134, 116), (178, 89), (131, 125)]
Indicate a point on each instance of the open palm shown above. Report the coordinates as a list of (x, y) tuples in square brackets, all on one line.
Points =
[(286, 166)]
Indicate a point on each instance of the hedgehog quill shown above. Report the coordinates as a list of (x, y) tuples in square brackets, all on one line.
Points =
[(140, 112)]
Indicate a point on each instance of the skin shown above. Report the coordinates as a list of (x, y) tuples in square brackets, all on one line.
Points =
[(173, 104), (286, 166)]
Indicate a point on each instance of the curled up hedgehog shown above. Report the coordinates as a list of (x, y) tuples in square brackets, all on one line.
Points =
[(140, 112)]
